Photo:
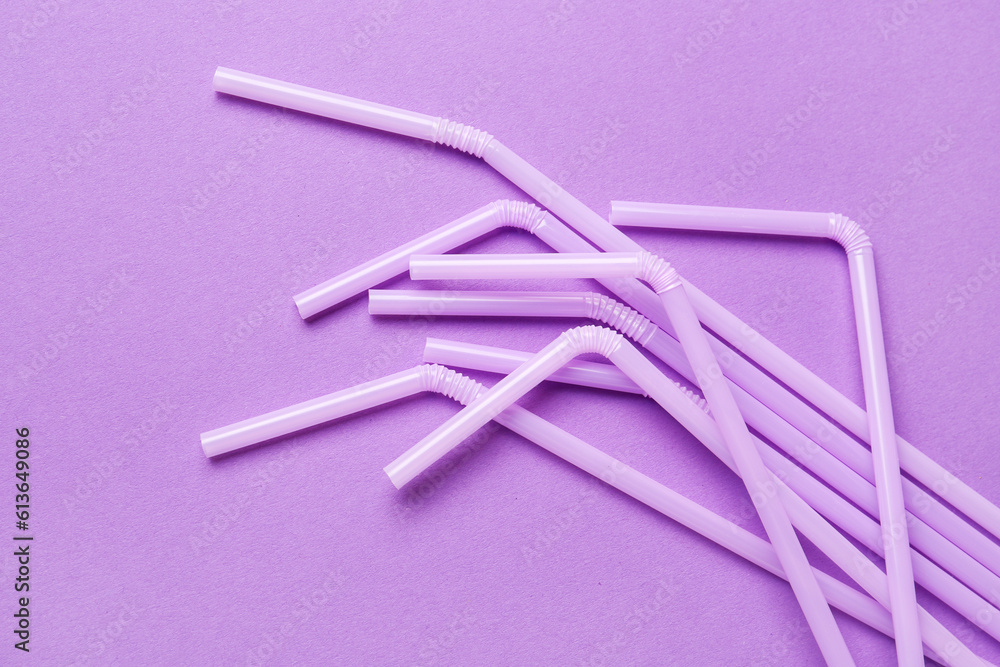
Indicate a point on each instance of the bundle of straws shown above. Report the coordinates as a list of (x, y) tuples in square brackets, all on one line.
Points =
[(942, 540)]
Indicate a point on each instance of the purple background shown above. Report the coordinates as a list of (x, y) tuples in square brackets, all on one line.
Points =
[(147, 298)]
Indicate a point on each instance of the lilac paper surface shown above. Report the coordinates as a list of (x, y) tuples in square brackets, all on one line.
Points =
[(153, 233)]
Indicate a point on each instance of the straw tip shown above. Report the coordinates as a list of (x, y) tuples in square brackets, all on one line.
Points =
[(218, 77), (306, 307), (394, 476), (207, 446)]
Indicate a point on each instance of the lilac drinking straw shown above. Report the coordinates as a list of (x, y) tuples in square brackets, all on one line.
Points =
[(755, 476), (941, 644), (525, 216), (505, 213), (503, 361), (936, 580), (670, 397), (492, 216), (874, 369), (934, 528), (656, 272), (605, 236), (450, 133)]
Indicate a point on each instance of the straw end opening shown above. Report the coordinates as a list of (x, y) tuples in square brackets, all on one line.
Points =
[(218, 76), (207, 447), (395, 477), (307, 307)]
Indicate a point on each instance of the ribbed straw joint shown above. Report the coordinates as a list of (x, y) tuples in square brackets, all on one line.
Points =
[(695, 397), (657, 272), (463, 137), (618, 316), (848, 233), (519, 214), (447, 382), (593, 339)]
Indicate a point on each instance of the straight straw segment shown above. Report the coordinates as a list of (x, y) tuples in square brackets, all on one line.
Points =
[(875, 376), (540, 265), (505, 304), (940, 644), (719, 219), (943, 584), (322, 103), (469, 227), (598, 231), (309, 413), (747, 460), (847, 466)]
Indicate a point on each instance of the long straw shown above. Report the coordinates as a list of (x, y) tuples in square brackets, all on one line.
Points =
[(719, 395), (935, 529), (941, 644), (836, 509), (874, 369), (755, 476), (606, 237), (591, 339), (666, 283), (492, 216)]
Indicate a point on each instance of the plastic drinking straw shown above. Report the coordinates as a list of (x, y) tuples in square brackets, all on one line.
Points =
[(521, 215), (503, 213), (501, 360), (605, 236), (854, 522), (590, 339), (746, 380), (874, 369), (666, 283), (506, 213), (756, 477), (935, 529), (310, 413), (941, 644)]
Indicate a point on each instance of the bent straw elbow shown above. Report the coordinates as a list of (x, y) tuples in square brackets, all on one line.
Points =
[(449, 383), (501, 213), (618, 316), (657, 272), (446, 437), (848, 234), (462, 137)]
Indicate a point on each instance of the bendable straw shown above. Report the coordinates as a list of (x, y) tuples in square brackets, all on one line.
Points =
[(935, 529), (941, 644), (858, 525), (875, 373), (611, 345), (745, 376), (755, 476), (605, 236), (503, 213)]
